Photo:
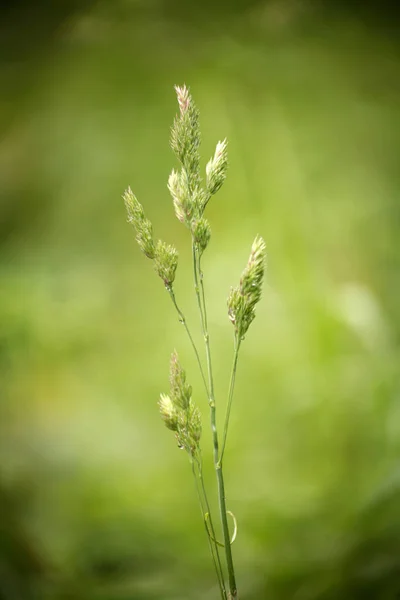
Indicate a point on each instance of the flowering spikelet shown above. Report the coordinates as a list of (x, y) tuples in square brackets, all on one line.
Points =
[(168, 412), (142, 225), (216, 168), (180, 391), (182, 94), (183, 205), (165, 262), (242, 299), (189, 197), (178, 410), (185, 138), (201, 231), (252, 276)]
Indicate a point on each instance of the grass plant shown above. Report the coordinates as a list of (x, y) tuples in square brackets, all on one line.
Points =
[(191, 195)]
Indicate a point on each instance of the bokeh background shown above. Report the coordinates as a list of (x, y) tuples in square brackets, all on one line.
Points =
[(96, 501)]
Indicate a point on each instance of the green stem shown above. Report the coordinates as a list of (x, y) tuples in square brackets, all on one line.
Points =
[(225, 529), (230, 395), (211, 522), (205, 508), (203, 316), (215, 551), (213, 417), (182, 320)]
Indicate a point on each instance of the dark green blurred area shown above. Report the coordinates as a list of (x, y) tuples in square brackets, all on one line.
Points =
[(96, 502)]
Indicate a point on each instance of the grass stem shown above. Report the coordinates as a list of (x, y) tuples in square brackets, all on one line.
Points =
[(217, 464), (205, 510), (182, 320), (230, 395)]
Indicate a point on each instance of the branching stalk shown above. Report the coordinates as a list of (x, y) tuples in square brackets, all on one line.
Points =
[(230, 395), (217, 463), (205, 510), (190, 195), (182, 320), (203, 316)]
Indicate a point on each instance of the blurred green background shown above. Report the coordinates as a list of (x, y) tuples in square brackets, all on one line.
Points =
[(96, 502)]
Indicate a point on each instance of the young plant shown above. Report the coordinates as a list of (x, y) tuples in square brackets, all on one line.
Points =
[(190, 197)]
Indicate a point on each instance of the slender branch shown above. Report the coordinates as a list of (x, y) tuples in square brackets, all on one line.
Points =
[(200, 467), (182, 320), (230, 395), (217, 463), (203, 315), (202, 491), (203, 312), (205, 509), (203, 296)]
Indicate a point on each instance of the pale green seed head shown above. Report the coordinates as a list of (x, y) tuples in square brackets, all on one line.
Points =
[(185, 137), (133, 208), (142, 225), (189, 429), (183, 97), (180, 391), (201, 231), (183, 203), (242, 300), (216, 168), (168, 412), (190, 199), (252, 276), (179, 411), (195, 426), (166, 262)]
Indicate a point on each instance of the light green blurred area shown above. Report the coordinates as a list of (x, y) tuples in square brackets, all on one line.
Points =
[(96, 501)]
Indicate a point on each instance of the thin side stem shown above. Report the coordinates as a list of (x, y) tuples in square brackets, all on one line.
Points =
[(182, 320), (203, 312), (203, 295), (203, 317), (230, 395), (215, 551), (202, 491), (200, 466), (213, 417), (204, 507)]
